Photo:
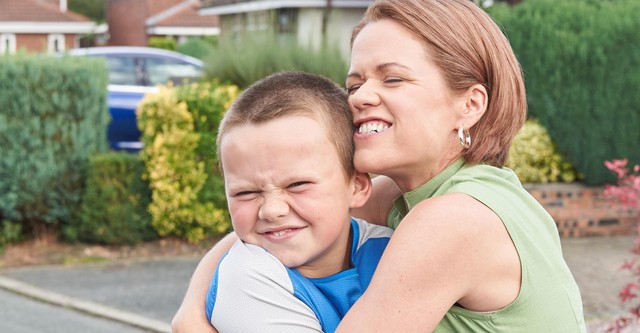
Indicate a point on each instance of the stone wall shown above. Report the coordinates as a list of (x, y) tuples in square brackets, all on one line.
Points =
[(580, 210)]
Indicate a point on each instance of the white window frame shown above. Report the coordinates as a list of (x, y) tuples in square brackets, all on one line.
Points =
[(51, 42), (7, 44)]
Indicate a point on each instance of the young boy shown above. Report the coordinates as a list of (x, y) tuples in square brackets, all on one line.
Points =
[(286, 151)]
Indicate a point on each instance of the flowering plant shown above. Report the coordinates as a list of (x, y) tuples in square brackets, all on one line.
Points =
[(627, 192)]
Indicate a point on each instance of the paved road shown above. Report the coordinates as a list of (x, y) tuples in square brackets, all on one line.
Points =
[(151, 290)]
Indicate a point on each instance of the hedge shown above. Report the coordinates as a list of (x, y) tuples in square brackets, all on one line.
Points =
[(53, 117), (581, 64)]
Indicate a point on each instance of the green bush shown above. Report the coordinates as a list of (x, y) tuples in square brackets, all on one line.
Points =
[(207, 102), (581, 64), (53, 117), (176, 172), (166, 43), (10, 232), (114, 206), (196, 47), (535, 159), (256, 57)]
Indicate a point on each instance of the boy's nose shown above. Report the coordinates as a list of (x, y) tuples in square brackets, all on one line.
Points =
[(273, 207)]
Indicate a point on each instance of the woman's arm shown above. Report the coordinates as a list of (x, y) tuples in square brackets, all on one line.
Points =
[(377, 208), (447, 250), (191, 317)]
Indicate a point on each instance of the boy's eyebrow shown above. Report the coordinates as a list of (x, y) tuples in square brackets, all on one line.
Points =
[(379, 68)]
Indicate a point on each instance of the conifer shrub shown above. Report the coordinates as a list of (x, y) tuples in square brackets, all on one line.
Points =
[(53, 118), (582, 73)]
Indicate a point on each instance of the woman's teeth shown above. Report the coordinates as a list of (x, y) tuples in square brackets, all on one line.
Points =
[(368, 128)]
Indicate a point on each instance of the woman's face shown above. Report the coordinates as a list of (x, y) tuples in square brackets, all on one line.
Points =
[(402, 108)]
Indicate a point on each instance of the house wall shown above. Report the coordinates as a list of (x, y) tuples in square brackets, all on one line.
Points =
[(126, 19), (39, 42), (340, 23), (31, 42)]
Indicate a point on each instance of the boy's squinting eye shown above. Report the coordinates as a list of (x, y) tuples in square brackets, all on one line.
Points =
[(298, 186), (245, 195)]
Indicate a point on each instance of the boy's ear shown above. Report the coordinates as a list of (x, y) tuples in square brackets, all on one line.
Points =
[(361, 190)]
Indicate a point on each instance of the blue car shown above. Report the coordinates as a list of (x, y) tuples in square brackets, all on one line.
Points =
[(134, 71)]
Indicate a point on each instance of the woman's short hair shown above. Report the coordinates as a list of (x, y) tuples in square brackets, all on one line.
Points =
[(469, 48)]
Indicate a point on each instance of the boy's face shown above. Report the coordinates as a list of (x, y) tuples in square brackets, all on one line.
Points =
[(288, 193)]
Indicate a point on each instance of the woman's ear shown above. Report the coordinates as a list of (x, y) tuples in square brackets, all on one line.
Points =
[(473, 105), (361, 190)]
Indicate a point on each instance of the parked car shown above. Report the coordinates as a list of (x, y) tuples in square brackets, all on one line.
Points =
[(134, 71)]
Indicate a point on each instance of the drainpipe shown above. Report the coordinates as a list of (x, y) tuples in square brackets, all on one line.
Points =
[(325, 21)]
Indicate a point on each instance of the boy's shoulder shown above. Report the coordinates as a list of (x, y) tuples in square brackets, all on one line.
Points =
[(364, 231)]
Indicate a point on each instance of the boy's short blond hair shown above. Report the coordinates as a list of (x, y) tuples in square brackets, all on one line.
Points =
[(288, 94)]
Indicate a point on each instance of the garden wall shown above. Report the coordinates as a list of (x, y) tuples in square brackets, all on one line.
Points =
[(581, 210)]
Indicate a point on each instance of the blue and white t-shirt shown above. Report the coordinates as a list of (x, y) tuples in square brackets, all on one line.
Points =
[(252, 291)]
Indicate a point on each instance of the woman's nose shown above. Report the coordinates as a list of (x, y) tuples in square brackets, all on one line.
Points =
[(274, 206), (366, 95)]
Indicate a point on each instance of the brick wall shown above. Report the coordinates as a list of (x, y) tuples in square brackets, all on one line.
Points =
[(580, 210)]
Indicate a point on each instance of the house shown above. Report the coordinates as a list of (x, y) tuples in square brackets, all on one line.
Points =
[(41, 26), (312, 23), (132, 22)]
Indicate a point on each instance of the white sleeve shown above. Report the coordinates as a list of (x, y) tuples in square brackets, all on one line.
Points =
[(255, 294)]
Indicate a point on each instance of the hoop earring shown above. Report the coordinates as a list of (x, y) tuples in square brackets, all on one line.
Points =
[(465, 138)]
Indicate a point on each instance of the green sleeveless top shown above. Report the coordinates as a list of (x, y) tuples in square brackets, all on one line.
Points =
[(549, 299)]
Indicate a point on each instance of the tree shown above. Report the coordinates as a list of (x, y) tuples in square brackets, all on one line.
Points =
[(93, 9)]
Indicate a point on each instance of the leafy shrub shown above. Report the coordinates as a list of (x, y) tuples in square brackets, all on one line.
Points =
[(256, 57), (207, 102), (196, 47), (535, 159), (114, 206), (627, 193), (581, 64), (166, 43), (53, 117), (10, 232), (175, 172)]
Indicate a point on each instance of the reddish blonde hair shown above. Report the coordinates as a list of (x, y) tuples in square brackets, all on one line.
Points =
[(469, 48)]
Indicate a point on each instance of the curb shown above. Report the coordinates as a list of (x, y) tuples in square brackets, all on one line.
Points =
[(91, 308)]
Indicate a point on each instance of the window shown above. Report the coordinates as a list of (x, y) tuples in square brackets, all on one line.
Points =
[(162, 70), (124, 70), (7, 44), (55, 43)]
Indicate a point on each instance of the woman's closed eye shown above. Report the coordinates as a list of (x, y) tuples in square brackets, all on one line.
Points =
[(353, 88)]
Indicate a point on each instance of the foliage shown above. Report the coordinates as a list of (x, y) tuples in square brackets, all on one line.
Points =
[(9, 233), (243, 63), (535, 159), (627, 193), (196, 47), (93, 9), (582, 68), (114, 205), (207, 102), (166, 43), (175, 172), (53, 117)]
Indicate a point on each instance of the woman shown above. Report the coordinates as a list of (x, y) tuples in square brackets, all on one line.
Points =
[(437, 96)]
